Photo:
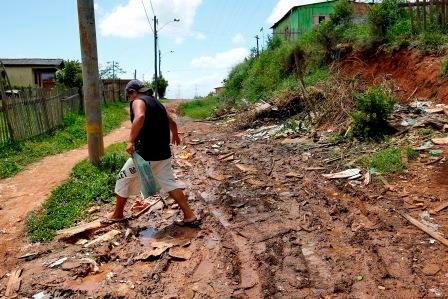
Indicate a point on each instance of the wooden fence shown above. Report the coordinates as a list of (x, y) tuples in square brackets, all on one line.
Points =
[(424, 14), (34, 112)]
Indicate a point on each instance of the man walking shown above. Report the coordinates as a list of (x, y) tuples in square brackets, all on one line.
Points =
[(150, 138)]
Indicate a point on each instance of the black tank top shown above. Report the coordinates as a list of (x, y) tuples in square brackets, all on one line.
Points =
[(153, 141)]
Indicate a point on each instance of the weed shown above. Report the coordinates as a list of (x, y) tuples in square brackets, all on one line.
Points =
[(444, 68), (15, 156), (412, 154), (200, 108), (386, 161), (431, 41), (374, 107), (67, 203)]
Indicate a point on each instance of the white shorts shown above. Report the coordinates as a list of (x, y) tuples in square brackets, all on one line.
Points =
[(128, 183)]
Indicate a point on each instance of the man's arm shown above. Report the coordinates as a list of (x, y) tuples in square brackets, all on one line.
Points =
[(173, 129), (139, 109)]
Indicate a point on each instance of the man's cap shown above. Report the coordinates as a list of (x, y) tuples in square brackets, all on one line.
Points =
[(136, 85)]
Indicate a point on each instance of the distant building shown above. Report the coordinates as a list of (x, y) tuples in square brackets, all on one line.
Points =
[(303, 18), (33, 72), (218, 90)]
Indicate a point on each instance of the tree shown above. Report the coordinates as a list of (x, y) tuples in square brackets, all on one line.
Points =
[(162, 85), (70, 75), (111, 70)]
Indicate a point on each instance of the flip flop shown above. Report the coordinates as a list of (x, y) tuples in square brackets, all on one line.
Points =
[(194, 224)]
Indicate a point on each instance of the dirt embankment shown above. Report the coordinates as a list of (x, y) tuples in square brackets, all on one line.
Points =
[(415, 75)]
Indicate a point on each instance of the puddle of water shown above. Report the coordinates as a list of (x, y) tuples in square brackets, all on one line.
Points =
[(148, 233), (176, 235)]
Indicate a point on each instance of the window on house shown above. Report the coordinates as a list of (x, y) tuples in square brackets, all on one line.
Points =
[(318, 19)]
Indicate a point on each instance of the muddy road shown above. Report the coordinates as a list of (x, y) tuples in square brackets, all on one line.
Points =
[(273, 227)]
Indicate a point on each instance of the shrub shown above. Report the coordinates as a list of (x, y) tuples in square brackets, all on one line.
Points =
[(374, 107), (383, 16), (431, 41), (342, 13), (444, 68)]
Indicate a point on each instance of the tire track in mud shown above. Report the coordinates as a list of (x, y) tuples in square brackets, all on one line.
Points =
[(311, 237)]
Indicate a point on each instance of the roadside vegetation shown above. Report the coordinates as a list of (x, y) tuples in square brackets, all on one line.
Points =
[(285, 67), (87, 185), (16, 155)]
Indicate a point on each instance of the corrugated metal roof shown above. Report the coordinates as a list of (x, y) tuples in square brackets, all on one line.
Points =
[(32, 61)]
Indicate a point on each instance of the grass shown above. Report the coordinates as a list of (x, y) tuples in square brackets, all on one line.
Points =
[(16, 155), (444, 68), (387, 160), (200, 108), (67, 204)]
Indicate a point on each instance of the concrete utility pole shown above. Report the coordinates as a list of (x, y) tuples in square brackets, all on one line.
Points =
[(90, 76), (258, 50), (160, 63), (155, 57), (113, 79)]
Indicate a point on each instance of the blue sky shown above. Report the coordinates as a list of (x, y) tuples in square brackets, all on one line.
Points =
[(212, 36)]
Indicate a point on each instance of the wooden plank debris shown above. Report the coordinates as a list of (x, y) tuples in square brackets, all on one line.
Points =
[(104, 238), (14, 283), (439, 208), (424, 228), (71, 232)]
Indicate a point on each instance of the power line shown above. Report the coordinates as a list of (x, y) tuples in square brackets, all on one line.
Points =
[(152, 7), (147, 18)]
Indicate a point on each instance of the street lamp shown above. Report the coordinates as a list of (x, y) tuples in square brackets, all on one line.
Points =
[(172, 21)]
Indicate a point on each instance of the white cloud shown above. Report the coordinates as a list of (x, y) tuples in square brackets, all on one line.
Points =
[(221, 60), (199, 35), (129, 20), (283, 6), (238, 39)]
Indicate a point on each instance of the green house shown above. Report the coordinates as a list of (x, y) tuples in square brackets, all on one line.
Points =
[(303, 18)]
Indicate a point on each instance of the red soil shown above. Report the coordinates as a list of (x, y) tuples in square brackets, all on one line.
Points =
[(414, 74)]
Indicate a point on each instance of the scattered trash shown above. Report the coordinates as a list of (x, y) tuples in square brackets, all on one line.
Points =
[(294, 175), (408, 122), (359, 277), (93, 265), (434, 110), (424, 228), (346, 174), (432, 241), (427, 220), (110, 275), (185, 155), (431, 269), (33, 255), (245, 168), (41, 295), (14, 283), (93, 209), (440, 141), (427, 145), (103, 238), (180, 253), (435, 152), (436, 292), (381, 288), (367, 177), (439, 208), (58, 262), (225, 156)]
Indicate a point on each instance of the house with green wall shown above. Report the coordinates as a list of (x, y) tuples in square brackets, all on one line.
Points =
[(301, 19)]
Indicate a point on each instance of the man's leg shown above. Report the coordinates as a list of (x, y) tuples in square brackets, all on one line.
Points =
[(179, 196), (125, 186), (119, 208)]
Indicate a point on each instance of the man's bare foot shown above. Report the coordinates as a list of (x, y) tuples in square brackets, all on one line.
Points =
[(112, 218)]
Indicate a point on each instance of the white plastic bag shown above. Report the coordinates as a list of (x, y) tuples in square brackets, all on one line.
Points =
[(148, 185)]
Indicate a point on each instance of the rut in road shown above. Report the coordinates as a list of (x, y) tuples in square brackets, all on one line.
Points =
[(27, 190)]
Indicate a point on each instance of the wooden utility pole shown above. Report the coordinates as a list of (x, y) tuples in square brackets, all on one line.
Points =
[(90, 76)]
